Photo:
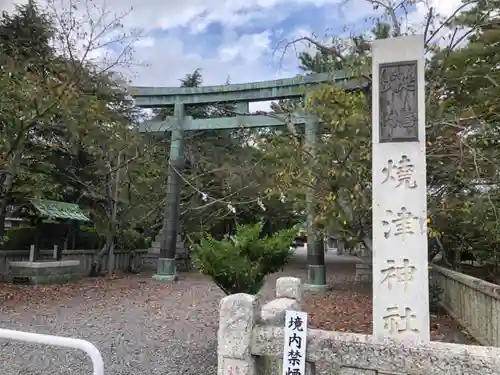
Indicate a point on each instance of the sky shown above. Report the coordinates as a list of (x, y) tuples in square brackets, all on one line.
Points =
[(237, 39)]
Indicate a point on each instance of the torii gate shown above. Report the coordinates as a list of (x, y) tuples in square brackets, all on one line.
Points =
[(242, 95)]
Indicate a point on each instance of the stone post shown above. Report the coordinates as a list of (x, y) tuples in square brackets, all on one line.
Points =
[(288, 297), (167, 271), (238, 315), (32, 253)]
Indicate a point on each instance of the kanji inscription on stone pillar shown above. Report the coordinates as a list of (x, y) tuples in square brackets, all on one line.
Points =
[(400, 272)]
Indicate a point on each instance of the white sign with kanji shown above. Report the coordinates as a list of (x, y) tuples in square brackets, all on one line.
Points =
[(294, 353)]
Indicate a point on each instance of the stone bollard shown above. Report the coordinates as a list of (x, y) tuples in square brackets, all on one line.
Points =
[(289, 295), (238, 315), (289, 287)]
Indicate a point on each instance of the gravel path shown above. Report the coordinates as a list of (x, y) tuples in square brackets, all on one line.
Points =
[(141, 327)]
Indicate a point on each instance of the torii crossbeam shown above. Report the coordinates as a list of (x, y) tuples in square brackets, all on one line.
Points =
[(242, 95)]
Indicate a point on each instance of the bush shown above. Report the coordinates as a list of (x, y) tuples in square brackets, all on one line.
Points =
[(52, 234), (239, 264), (87, 238), (435, 295), (19, 238), (130, 239)]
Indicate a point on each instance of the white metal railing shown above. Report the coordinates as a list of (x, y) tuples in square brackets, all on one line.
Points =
[(65, 342)]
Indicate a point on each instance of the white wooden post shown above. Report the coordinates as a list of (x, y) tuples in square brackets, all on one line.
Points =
[(400, 273), (32, 253), (54, 252)]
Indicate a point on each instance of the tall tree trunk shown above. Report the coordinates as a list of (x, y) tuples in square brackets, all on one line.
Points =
[(95, 267), (6, 187), (3, 213), (112, 197), (367, 241), (111, 260)]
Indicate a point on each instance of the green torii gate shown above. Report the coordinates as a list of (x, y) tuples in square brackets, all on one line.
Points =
[(241, 94)]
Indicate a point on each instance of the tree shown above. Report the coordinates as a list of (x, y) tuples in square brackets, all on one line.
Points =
[(64, 117), (454, 166), (26, 58), (464, 147), (342, 164), (223, 170)]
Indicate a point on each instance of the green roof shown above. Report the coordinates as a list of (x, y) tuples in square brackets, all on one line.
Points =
[(59, 210)]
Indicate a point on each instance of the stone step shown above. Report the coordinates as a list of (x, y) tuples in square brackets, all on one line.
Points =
[(182, 258), (159, 237), (156, 246)]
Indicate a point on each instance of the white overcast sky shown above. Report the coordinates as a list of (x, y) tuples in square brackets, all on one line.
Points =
[(233, 38)]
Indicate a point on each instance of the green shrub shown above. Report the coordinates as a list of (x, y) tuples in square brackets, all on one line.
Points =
[(435, 294), (19, 238), (130, 239), (239, 264), (88, 238), (52, 234)]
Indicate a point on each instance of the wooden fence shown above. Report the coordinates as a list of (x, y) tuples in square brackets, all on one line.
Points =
[(122, 259), (474, 303)]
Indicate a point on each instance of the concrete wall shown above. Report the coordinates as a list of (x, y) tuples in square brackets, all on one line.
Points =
[(85, 257), (474, 303), (250, 342)]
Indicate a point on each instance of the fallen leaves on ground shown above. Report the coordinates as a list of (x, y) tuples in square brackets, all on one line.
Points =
[(12, 296), (349, 309), (340, 310)]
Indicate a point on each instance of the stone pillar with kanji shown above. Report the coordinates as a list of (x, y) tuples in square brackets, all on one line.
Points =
[(400, 269)]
